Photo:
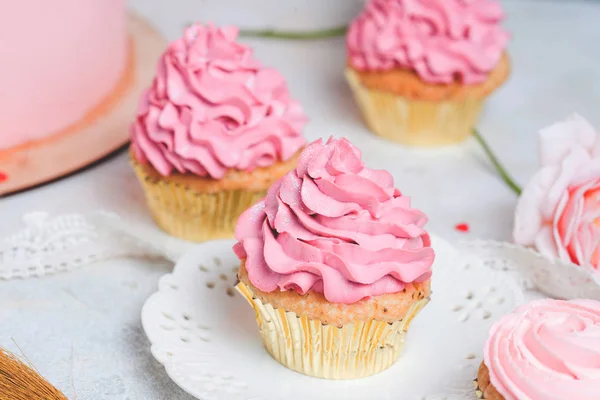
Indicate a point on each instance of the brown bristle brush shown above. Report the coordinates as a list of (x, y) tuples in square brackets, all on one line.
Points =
[(19, 381)]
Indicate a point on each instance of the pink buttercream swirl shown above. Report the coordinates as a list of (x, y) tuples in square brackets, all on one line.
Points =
[(547, 349), (213, 107), (335, 227), (441, 40)]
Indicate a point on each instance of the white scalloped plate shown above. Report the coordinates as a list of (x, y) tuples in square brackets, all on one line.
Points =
[(205, 334)]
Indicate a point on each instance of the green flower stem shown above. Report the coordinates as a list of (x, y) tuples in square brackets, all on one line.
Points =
[(499, 168), (294, 35)]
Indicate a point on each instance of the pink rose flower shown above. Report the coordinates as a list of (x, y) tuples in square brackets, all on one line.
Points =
[(558, 212)]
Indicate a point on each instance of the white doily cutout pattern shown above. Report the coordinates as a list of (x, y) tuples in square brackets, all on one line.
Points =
[(550, 276), (205, 334), (48, 245)]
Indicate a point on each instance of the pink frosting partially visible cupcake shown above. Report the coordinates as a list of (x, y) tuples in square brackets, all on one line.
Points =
[(441, 40), (337, 248), (214, 121), (547, 349), (420, 69)]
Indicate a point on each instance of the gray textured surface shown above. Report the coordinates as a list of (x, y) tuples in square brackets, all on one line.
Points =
[(82, 330), (84, 326)]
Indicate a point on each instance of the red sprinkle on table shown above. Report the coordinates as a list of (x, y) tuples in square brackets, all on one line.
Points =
[(462, 227), (3, 177)]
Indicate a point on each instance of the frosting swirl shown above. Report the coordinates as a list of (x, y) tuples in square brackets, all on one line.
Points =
[(213, 107), (441, 40), (547, 349), (336, 227)]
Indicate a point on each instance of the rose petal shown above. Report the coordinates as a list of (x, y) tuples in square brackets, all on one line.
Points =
[(559, 140), (528, 214)]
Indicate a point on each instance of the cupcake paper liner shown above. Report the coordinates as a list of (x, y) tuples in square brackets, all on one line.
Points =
[(192, 215), (312, 348), (415, 122)]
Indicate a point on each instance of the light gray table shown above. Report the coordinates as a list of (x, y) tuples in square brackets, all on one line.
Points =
[(83, 329)]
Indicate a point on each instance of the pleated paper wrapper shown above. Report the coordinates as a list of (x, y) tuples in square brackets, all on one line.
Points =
[(192, 215), (309, 347), (415, 122)]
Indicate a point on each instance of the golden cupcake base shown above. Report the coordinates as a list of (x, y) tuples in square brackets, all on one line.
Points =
[(198, 208), (351, 351), (416, 122), (189, 214)]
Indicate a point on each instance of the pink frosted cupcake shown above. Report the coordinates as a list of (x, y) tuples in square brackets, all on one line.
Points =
[(212, 133), (335, 263), (547, 349), (421, 70)]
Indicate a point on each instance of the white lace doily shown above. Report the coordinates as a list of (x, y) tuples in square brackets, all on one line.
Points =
[(534, 271), (206, 336)]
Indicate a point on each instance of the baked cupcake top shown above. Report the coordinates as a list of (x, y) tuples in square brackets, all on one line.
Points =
[(441, 40), (213, 107), (547, 349), (336, 227)]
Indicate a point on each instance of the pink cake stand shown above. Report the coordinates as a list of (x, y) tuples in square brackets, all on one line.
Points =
[(102, 133)]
